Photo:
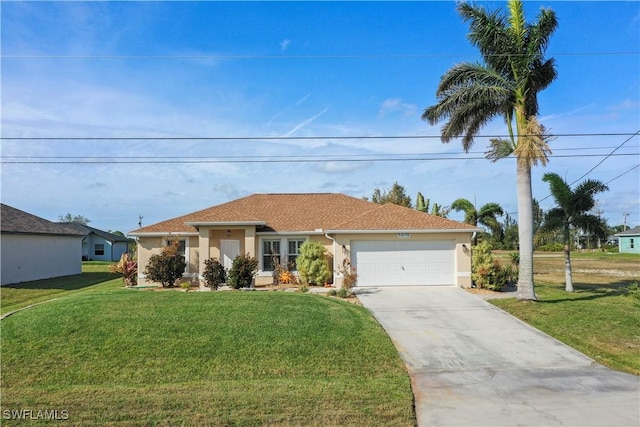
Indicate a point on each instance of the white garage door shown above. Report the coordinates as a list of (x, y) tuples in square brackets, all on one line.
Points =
[(397, 262)]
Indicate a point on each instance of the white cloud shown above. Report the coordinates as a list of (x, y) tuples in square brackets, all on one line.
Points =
[(396, 105), (284, 44)]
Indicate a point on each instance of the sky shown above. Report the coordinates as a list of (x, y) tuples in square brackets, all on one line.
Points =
[(155, 109)]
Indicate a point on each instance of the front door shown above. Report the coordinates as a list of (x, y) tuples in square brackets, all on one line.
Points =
[(229, 249)]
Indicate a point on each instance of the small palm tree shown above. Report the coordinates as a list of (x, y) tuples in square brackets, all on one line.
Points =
[(572, 211), (487, 215), (506, 84)]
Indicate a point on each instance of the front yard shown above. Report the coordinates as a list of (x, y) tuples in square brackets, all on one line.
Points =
[(112, 355)]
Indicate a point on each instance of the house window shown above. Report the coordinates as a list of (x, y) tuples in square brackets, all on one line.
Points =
[(270, 254), (98, 249), (293, 250)]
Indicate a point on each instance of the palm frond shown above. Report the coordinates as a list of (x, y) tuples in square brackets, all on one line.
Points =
[(499, 149), (560, 190)]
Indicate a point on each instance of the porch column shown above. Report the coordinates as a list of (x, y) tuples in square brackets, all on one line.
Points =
[(250, 241), (203, 250)]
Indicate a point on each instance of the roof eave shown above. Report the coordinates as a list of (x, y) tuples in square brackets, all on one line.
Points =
[(413, 230), (223, 223), (164, 234)]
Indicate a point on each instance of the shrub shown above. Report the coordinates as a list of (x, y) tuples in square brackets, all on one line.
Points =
[(349, 274), (343, 292), (284, 276), (167, 267), (185, 285), (214, 273), (486, 271), (242, 271), (128, 267), (312, 264)]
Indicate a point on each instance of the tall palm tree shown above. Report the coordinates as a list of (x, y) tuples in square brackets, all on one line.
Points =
[(487, 215), (506, 84), (572, 211)]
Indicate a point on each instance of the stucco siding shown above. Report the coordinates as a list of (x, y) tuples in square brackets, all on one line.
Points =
[(629, 244), (34, 257)]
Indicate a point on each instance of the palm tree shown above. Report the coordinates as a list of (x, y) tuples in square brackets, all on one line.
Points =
[(487, 215), (505, 85), (572, 211)]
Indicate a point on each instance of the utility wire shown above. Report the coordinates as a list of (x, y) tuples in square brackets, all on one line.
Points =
[(242, 159), (275, 138), (326, 56)]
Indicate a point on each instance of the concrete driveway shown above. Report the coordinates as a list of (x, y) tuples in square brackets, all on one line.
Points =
[(472, 364)]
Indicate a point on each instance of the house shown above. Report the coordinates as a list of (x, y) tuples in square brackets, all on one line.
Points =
[(387, 244), (32, 248), (100, 245), (629, 241)]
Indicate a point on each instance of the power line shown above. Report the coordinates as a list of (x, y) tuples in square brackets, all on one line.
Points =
[(278, 138), (325, 56), (243, 159), (622, 174), (609, 155)]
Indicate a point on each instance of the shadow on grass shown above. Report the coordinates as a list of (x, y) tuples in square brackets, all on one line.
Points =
[(69, 283), (592, 292)]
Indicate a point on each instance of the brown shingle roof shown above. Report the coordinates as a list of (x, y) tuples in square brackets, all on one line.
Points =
[(395, 217), (15, 221), (307, 212)]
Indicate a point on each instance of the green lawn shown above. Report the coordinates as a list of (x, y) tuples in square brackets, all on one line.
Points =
[(601, 318), (14, 297), (112, 355)]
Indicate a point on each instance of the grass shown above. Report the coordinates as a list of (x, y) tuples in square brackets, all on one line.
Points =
[(601, 318), (113, 355), (20, 295)]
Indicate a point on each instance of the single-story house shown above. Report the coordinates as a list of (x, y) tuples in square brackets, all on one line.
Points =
[(99, 245), (32, 248), (387, 244), (629, 241)]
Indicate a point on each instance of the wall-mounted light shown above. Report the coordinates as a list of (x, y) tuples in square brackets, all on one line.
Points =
[(228, 233)]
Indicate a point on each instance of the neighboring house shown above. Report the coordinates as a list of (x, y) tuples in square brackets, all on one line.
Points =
[(100, 245), (629, 241), (388, 244), (32, 248)]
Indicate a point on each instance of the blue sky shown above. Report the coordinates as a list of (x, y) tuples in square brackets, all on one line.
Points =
[(250, 71)]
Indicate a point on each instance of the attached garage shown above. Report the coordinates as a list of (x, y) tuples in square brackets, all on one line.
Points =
[(398, 262)]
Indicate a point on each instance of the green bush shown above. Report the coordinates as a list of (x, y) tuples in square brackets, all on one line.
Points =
[(486, 271), (214, 273), (167, 267), (312, 264), (242, 272)]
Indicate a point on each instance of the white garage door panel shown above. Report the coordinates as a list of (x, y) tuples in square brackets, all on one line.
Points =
[(391, 263)]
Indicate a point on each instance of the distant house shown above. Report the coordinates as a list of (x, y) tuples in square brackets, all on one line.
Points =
[(100, 245), (32, 248), (629, 241)]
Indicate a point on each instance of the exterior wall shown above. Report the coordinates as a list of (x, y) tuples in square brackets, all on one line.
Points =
[(148, 246), (462, 251), (112, 250), (629, 244), (33, 257)]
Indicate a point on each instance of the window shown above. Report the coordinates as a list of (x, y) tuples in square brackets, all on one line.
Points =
[(182, 245), (270, 254), (98, 249), (293, 250)]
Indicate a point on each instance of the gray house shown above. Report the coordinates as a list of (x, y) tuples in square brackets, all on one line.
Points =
[(99, 245), (32, 248), (629, 241)]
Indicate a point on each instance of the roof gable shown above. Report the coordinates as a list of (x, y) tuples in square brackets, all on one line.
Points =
[(396, 217), (306, 212), (19, 222), (85, 229)]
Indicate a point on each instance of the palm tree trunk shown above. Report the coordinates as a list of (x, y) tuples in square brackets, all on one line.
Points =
[(568, 277), (526, 290)]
